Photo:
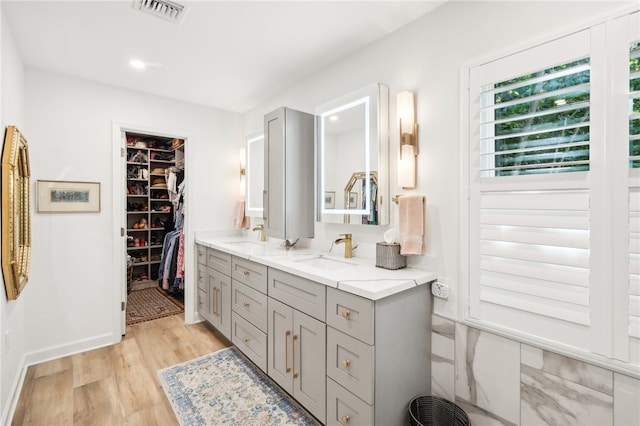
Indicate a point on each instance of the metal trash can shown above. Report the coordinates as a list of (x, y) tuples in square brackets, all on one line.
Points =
[(435, 411)]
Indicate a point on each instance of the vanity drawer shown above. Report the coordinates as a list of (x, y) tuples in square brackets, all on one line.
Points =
[(219, 261), (299, 293), (250, 304), (350, 314), (344, 408), (250, 273), (201, 253), (251, 341), (350, 363)]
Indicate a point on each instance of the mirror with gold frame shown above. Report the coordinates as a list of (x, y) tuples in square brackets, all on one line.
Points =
[(16, 212)]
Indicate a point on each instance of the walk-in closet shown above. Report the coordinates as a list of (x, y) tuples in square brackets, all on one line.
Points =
[(155, 199)]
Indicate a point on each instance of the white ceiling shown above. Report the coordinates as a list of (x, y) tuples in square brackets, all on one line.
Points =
[(230, 55)]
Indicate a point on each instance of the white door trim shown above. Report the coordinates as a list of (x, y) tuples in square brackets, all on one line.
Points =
[(119, 292)]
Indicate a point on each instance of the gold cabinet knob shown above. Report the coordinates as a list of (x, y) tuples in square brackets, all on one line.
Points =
[(245, 273), (246, 304), (346, 313), (346, 363), (345, 420), (245, 340)]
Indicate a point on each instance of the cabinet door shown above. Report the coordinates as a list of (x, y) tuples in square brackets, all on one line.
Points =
[(309, 367), (220, 301), (274, 179), (280, 344)]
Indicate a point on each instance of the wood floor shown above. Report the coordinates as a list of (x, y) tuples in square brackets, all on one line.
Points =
[(115, 385)]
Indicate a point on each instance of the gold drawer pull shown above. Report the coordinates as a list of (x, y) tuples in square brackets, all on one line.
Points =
[(245, 340), (246, 304), (246, 273), (286, 351), (346, 313), (345, 420), (293, 362), (346, 363)]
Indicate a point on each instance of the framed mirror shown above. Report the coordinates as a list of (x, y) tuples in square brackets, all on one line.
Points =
[(352, 144), (16, 212), (255, 175)]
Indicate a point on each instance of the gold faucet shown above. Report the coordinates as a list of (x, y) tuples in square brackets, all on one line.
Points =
[(260, 228), (347, 244)]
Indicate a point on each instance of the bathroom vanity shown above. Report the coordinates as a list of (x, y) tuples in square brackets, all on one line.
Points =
[(347, 340)]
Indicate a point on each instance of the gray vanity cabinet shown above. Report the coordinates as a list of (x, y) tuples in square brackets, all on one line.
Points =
[(296, 354), (297, 338), (214, 288), (377, 356), (249, 305), (289, 174)]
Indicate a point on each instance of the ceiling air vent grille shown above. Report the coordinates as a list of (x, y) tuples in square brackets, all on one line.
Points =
[(165, 9)]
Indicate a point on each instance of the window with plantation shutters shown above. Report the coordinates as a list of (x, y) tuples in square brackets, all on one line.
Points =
[(553, 210)]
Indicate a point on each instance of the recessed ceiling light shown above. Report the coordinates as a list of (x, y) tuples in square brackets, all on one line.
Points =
[(333, 118), (137, 64)]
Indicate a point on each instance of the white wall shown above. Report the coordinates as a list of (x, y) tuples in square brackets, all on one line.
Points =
[(425, 57), (74, 276), (12, 314)]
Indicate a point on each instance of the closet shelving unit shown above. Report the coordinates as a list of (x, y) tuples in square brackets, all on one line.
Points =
[(148, 205)]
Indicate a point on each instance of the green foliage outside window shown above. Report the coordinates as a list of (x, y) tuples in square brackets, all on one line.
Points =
[(634, 107), (548, 132)]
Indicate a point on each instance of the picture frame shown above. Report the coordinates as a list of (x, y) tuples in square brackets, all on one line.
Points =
[(353, 200), (329, 200), (55, 196)]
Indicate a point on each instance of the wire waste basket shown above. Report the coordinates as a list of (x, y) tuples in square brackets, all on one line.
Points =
[(436, 411)]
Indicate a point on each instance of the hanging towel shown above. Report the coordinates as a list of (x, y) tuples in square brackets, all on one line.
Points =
[(240, 221), (412, 215)]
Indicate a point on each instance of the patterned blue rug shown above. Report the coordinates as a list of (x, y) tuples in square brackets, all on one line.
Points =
[(224, 388)]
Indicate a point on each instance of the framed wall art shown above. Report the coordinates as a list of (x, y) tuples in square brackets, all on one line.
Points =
[(329, 200), (56, 196)]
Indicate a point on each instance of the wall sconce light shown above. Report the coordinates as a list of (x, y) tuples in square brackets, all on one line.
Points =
[(408, 140), (243, 170)]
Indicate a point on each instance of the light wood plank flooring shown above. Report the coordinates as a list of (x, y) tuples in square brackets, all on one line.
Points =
[(115, 385)]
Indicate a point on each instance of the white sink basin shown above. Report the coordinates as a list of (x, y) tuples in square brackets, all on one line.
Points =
[(326, 263)]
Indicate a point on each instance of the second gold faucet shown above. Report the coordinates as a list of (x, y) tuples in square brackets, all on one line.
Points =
[(260, 228), (346, 239)]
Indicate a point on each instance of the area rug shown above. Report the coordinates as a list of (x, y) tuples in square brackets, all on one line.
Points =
[(225, 388), (149, 304)]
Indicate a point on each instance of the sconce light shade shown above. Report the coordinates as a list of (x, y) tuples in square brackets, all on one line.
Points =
[(406, 111), (408, 140)]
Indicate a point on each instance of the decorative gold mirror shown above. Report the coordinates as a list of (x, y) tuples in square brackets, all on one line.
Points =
[(356, 195), (16, 212)]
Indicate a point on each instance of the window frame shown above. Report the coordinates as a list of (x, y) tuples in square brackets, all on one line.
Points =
[(611, 353)]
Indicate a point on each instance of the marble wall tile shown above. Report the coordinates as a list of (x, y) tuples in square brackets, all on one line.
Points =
[(597, 378), (488, 372), (626, 400), (548, 399), (479, 417), (443, 358)]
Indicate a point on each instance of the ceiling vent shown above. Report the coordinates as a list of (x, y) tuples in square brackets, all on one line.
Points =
[(165, 9)]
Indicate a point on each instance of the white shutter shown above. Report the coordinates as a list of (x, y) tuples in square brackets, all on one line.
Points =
[(530, 194)]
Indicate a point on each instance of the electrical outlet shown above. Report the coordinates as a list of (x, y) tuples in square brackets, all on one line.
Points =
[(440, 288)]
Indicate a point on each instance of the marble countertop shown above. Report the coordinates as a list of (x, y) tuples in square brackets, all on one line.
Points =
[(356, 275)]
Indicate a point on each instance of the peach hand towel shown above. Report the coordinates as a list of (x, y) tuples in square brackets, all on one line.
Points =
[(240, 221), (412, 215)]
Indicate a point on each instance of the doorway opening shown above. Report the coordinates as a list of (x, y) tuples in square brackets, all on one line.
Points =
[(154, 237)]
